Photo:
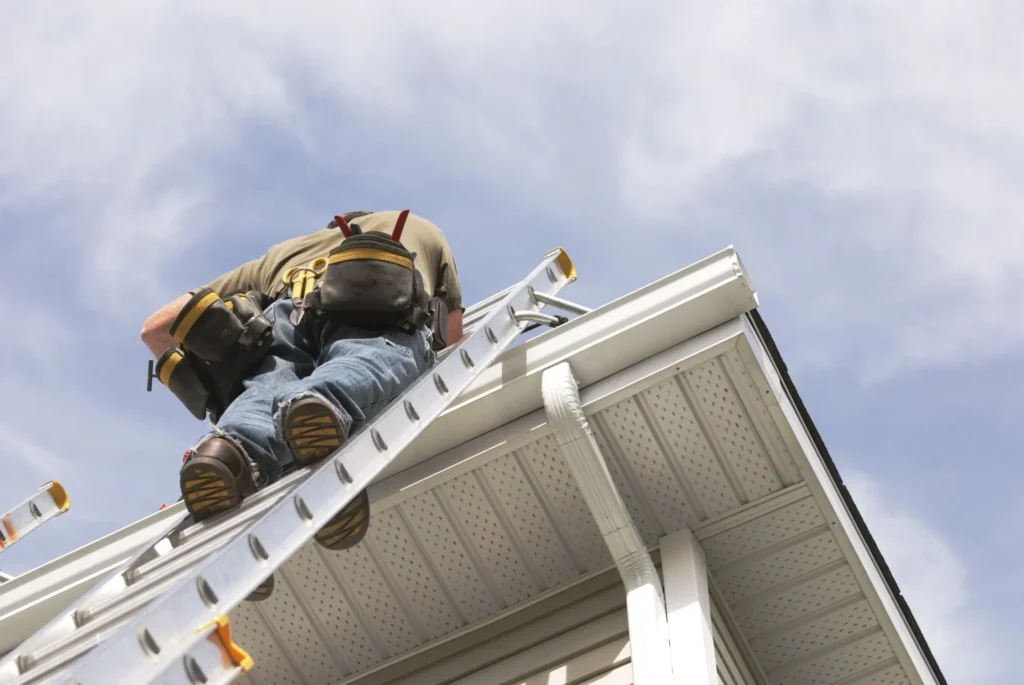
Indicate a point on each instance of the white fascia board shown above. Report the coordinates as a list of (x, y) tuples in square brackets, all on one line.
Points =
[(609, 339), (825, 491), (29, 601)]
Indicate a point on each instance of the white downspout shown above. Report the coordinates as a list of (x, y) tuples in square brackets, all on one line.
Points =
[(645, 602)]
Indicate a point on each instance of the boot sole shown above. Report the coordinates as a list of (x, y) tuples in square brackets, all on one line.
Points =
[(208, 488), (348, 527), (262, 591), (313, 433)]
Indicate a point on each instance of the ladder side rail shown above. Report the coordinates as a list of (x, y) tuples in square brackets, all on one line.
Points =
[(158, 637)]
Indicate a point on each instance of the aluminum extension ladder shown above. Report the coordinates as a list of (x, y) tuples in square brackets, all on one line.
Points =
[(48, 502), (162, 616)]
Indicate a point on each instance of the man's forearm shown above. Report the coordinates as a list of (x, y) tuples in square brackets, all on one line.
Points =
[(155, 331), (454, 331)]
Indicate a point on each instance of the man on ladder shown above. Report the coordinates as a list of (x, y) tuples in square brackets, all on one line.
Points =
[(291, 352)]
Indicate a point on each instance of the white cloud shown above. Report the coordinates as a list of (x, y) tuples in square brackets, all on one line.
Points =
[(936, 582), (18, 449), (908, 114)]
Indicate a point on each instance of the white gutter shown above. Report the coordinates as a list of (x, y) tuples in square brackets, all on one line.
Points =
[(645, 601)]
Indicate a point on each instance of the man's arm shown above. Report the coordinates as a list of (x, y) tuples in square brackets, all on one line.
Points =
[(155, 330)]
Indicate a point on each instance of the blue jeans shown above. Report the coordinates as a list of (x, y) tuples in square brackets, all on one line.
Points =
[(358, 372)]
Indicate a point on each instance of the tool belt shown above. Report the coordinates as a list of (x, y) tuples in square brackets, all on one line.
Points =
[(370, 281), (221, 344)]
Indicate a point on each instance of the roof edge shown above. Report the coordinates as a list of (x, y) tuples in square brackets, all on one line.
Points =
[(765, 337)]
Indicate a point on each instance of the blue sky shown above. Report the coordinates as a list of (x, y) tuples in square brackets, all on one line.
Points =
[(865, 160)]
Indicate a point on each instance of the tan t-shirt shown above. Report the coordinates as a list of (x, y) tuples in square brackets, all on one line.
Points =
[(419, 236)]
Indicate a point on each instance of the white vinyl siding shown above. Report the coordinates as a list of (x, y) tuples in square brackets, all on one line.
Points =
[(732, 667), (575, 637)]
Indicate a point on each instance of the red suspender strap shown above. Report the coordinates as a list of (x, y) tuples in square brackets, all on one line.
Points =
[(396, 234), (343, 225)]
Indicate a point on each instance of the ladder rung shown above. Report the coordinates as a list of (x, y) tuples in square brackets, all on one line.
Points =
[(142, 594), (203, 542), (488, 302), (46, 669)]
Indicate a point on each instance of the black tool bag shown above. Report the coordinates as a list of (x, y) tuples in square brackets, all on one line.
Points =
[(371, 282), (184, 375), (222, 344)]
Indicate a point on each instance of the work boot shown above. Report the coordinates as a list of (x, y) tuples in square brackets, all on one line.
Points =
[(215, 478), (313, 432), (263, 590)]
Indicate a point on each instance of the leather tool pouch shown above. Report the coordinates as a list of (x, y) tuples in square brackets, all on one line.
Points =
[(184, 377), (370, 282), (222, 343)]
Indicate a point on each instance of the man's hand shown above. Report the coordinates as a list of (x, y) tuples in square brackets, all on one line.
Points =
[(454, 332), (155, 330)]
